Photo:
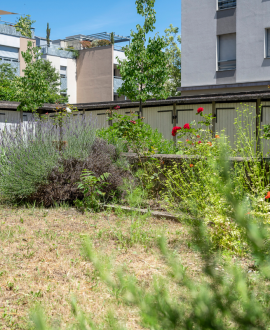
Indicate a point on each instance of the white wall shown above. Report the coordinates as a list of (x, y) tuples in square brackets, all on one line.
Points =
[(72, 80), (9, 41), (117, 53), (71, 74)]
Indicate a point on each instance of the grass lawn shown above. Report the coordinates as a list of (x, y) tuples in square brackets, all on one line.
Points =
[(41, 262)]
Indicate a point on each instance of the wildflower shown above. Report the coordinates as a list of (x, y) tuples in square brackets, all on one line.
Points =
[(198, 136), (186, 126), (46, 113), (68, 110), (191, 165), (200, 110), (187, 140), (133, 122), (268, 195), (175, 129), (217, 136), (199, 142), (117, 107), (209, 143)]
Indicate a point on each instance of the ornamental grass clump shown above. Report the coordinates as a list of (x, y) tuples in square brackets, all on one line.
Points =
[(30, 151)]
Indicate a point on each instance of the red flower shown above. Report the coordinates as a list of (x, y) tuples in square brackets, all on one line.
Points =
[(175, 129), (133, 121), (200, 110), (46, 113), (191, 165), (199, 142), (117, 107), (268, 195), (186, 126)]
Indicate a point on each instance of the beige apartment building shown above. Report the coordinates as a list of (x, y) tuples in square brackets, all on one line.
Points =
[(87, 75)]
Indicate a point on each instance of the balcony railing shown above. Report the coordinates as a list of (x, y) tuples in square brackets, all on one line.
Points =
[(117, 82), (13, 62), (55, 51), (226, 65), (9, 29), (225, 4)]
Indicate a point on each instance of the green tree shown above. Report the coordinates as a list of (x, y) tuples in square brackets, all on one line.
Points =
[(174, 60), (48, 34), (40, 83), (144, 71), (7, 82), (24, 25), (112, 38)]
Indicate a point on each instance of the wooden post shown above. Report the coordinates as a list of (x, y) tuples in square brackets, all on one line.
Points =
[(258, 125), (84, 114), (21, 121), (214, 118), (174, 121), (110, 115)]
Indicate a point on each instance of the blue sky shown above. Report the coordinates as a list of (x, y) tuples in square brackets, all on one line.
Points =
[(69, 17)]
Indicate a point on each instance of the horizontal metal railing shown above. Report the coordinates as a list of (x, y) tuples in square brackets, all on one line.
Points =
[(225, 4), (8, 59), (226, 65)]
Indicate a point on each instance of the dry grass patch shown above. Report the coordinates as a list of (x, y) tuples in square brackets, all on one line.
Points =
[(41, 262)]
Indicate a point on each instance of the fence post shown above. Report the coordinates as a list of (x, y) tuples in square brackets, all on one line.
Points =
[(84, 114), (110, 116), (258, 125), (21, 121), (174, 121), (214, 118)]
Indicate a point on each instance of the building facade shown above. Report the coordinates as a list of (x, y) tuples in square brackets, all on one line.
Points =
[(87, 74), (225, 46)]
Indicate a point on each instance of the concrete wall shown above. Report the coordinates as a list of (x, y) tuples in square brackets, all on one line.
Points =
[(198, 42), (253, 17), (23, 48), (201, 26), (95, 75)]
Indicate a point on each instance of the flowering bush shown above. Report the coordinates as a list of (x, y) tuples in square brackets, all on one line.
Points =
[(134, 135)]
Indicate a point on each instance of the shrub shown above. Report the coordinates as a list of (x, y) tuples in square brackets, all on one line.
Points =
[(29, 153), (62, 183), (135, 135)]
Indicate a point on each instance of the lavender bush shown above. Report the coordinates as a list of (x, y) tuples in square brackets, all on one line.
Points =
[(30, 151)]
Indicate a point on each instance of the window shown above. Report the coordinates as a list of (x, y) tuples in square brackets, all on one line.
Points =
[(63, 71), (9, 52), (227, 52), (267, 43), (226, 4)]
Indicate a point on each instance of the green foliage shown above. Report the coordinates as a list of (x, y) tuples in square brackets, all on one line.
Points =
[(48, 34), (174, 60), (7, 78), (112, 38), (40, 83), (135, 136), (91, 186), (144, 71), (24, 25)]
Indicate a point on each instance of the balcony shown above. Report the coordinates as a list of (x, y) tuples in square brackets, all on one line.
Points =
[(9, 29), (226, 65), (55, 51), (117, 82), (226, 4), (14, 63)]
